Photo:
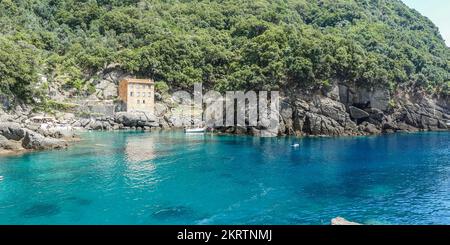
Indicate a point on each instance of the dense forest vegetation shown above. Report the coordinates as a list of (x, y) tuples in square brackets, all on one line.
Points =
[(226, 44)]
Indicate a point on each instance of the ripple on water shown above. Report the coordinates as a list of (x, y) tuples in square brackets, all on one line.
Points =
[(80, 201), (392, 179), (41, 209), (173, 212), (226, 175)]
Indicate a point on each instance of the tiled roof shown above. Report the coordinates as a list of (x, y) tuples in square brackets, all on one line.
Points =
[(134, 80)]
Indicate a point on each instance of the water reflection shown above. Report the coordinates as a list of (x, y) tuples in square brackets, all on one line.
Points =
[(139, 149), (140, 153)]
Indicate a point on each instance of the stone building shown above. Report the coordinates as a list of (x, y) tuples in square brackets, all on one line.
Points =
[(137, 94)]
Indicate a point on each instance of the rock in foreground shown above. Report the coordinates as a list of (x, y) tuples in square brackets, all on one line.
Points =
[(136, 119), (36, 141), (342, 221), (14, 138)]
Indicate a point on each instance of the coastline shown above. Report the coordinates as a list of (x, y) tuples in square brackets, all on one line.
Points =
[(78, 136), (6, 153), (315, 115), (20, 150)]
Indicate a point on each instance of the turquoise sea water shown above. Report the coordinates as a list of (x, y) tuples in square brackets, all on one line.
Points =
[(173, 178)]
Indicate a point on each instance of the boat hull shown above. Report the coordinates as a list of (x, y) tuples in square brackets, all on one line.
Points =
[(195, 131)]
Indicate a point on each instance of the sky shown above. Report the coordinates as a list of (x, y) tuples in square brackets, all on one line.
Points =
[(437, 11)]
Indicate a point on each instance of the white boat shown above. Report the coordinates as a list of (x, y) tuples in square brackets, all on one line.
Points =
[(295, 145), (195, 130)]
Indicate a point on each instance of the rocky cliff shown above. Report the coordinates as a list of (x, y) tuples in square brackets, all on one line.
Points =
[(341, 110), (362, 112), (14, 138)]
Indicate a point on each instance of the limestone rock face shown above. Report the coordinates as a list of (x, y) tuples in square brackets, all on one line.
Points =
[(11, 130), (262, 132), (332, 109), (287, 119), (106, 89), (378, 97), (53, 131), (96, 125), (319, 116), (369, 128), (179, 121), (240, 130), (6, 117), (423, 114), (163, 123), (9, 144), (160, 109), (5, 102), (138, 119), (375, 114), (269, 132), (3, 141), (334, 93), (325, 115), (35, 141), (357, 113), (344, 109), (31, 136), (316, 124)]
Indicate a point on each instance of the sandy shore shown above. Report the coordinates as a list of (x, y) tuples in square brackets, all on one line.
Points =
[(4, 152)]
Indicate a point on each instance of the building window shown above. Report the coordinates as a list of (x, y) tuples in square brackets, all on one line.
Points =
[(143, 101), (131, 94), (138, 94), (149, 94), (138, 101)]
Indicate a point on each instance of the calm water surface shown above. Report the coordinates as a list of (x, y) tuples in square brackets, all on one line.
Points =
[(173, 178)]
